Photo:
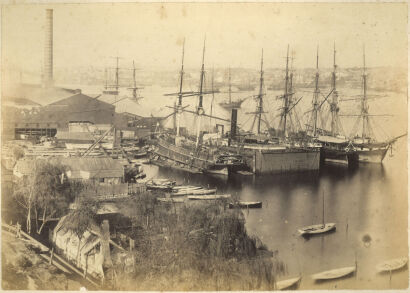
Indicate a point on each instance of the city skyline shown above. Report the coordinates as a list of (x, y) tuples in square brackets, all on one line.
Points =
[(152, 34)]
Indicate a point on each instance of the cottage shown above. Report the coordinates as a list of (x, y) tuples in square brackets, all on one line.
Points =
[(95, 252)]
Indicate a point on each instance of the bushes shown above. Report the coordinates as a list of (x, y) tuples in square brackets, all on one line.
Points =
[(195, 246)]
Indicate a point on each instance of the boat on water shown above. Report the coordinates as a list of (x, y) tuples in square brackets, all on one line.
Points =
[(392, 265), (181, 152), (229, 105), (363, 147), (246, 204), (265, 153), (334, 274), (288, 284), (195, 192), (184, 187), (319, 228), (209, 196), (160, 184)]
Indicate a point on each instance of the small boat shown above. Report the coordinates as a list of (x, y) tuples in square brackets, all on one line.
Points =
[(195, 192), (319, 228), (209, 196), (289, 283), (245, 204), (334, 274), (185, 187), (392, 265), (245, 173), (173, 200)]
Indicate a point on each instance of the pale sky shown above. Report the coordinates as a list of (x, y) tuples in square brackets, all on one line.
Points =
[(152, 34)]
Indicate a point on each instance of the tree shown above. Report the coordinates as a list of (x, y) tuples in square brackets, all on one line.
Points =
[(81, 219), (45, 192)]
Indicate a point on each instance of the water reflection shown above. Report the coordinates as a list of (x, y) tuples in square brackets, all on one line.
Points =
[(368, 205)]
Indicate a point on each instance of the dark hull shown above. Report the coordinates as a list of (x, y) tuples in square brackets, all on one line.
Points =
[(263, 161), (232, 105)]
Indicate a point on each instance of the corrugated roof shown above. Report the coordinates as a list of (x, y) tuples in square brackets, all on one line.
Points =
[(97, 167)]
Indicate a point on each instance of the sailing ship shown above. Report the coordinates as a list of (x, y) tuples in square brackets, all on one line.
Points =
[(265, 153), (181, 152), (366, 148), (112, 89), (229, 105), (319, 228), (340, 149), (135, 96)]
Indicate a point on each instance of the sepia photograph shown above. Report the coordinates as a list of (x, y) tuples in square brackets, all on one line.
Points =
[(204, 146)]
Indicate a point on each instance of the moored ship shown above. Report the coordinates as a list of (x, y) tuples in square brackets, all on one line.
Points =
[(180, 152), (266, 154)]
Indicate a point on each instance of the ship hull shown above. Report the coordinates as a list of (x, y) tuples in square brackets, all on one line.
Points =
[(372, 156), (265, 161), (269, 162), (170, 155)]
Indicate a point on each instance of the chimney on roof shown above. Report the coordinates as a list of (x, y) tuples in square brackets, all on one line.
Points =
[(105, 244), (48, 50)]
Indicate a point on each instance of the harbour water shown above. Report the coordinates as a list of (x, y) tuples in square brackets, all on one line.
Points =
[(368, 205)]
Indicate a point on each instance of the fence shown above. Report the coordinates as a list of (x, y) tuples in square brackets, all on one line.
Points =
[(110, 191)]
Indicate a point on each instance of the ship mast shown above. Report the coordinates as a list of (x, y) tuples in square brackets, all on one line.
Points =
[(315, 102), (364, 105), (200, 109), (117, 74), (334, 107), (230, 86), (286, 97), (106, 79), (260, 97), (179, 106)]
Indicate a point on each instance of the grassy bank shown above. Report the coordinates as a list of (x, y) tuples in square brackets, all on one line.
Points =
[(197, 245)]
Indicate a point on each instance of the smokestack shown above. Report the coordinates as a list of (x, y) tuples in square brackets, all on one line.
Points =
[(234, 119), (48, 50)]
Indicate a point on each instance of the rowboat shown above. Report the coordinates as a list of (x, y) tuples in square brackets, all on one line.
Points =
[(209, 197), (183, 187), (392, 265), (174, 200), (334, 274), (246, 204), (317, 229), (286, 284), (195, 192)]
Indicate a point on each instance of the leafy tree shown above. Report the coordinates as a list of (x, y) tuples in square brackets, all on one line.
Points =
[(45, 193)]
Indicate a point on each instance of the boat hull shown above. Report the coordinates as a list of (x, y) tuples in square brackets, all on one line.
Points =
[(372, 156), (245, 205), (334, 274), (317, 229), (264, 159), (392, 265), (209, 197), (286, 284)]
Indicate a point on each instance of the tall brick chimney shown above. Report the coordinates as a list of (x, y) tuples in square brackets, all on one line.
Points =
[(48, 50)]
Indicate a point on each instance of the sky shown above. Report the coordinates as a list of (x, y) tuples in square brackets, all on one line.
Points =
[(152, 34)]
